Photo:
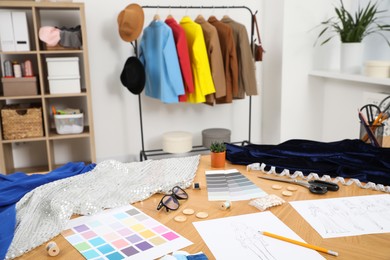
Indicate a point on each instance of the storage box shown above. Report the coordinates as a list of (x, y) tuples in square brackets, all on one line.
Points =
[(378, 69), (21, 121), (69, 124), (61, 85), (63, 67), (19, 86), (215, 135)]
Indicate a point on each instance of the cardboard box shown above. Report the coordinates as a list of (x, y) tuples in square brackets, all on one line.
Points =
[(26, 86)]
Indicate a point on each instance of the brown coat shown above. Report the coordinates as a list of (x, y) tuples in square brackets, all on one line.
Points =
[(228, 48), (215, 57), (246, 65)]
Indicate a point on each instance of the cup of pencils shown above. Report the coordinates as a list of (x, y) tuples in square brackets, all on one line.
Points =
[(377, 131)]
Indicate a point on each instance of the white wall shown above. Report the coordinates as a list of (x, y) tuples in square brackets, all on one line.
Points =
[(291, 103), (116, 114)]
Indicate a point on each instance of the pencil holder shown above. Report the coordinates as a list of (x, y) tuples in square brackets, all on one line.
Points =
[(377, 130)]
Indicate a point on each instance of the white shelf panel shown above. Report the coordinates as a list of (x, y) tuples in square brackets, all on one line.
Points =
[(350, 77)]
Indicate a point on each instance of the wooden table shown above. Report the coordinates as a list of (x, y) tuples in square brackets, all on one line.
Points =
[(373, 246)]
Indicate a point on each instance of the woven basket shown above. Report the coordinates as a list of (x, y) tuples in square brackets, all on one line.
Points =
[(19, 122)]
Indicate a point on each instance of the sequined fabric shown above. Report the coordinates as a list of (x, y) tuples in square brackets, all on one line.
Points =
[(44, 212)]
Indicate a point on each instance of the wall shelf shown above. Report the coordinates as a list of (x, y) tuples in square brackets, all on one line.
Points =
[(349, 77)]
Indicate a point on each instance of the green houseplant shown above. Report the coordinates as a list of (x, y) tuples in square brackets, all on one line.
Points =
[(218, 154), (354, 27)]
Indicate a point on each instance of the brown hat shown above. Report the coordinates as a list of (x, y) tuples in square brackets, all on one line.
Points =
[(131, 22)]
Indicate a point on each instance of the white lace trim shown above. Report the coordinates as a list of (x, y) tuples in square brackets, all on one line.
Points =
[(296, 174)]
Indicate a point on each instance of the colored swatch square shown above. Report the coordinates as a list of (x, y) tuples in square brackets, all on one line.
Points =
[(170, 236), (89, 234), (140, 217), (147, 233), (134, 238), (105, 249), (90, 254), (144, 246), (97, 241), (67, 232), (129, 222), (132, 212), (115, 256), (125, 232), (157, 241), (81, 228), (116, 225), (94, 223), (111, 236), (121, 215), (129, 251), (138, 227), (82, 246), (75, 239), (121, 243), (160, 229), (151, 222)]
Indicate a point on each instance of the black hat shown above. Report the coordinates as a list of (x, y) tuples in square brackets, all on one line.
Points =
[(133, 75)]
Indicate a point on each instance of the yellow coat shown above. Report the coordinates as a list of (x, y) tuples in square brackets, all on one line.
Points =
[(203, 81)]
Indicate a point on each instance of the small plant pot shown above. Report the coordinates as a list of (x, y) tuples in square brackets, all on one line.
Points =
[(218, 159)]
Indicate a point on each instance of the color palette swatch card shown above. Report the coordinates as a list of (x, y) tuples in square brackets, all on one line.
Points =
[(231, 185), (122, 233)]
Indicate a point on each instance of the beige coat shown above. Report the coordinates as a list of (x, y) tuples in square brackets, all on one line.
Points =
[(246, 65)]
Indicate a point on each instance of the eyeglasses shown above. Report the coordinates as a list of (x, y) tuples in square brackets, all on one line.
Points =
[(171, 201)]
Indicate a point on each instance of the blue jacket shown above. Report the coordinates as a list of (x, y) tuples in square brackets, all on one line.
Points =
[(158, 54)]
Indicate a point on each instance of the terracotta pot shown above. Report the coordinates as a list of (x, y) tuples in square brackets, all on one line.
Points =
[(218, 159)]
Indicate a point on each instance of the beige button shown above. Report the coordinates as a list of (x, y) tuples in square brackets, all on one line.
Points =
[(276, 187), (180, 218), (202, 215), (287, 193), (292, 188), (188, 211)]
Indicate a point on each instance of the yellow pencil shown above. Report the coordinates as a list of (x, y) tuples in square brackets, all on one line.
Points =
[(320, 249)]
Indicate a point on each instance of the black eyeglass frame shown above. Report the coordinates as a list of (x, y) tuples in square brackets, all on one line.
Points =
[(174, 196)]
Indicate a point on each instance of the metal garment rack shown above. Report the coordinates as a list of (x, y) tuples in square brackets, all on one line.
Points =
[(156, 152)]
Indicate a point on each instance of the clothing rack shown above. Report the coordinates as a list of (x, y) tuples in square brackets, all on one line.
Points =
[(156, 152)]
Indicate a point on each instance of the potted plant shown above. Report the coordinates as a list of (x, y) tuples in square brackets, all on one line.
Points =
[(218, 154), (352, 28)]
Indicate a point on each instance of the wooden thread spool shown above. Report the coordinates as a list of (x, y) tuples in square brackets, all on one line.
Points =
[(52, 248), (196, 185), (226, 205)]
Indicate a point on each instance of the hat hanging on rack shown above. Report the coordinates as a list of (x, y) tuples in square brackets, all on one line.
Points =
[(133, 75), (131, 22)]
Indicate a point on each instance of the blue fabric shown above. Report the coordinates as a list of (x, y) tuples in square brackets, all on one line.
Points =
[(200, 256), (159, 57), (14, 186), (346, 158)]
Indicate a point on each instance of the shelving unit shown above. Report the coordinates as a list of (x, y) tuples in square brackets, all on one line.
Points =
[(350, 77), (43, 154)]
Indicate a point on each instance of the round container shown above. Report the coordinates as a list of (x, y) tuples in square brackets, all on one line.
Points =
[(215, 135), (378, 69), (177, 142)]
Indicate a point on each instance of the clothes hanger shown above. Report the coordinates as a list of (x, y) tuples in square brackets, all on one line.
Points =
[(156, 17), (169, 14)]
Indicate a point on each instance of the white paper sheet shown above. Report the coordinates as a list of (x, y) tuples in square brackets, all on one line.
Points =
[(238, 238), (349, 216)]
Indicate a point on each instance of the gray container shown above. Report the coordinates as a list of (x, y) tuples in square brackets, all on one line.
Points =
[(215, 135)]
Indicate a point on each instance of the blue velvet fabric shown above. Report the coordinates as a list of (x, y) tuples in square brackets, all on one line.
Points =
[(346, 158), (14, 186)]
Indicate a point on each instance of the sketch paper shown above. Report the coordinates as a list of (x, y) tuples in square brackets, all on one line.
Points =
[(121, 233), (238, 238), (231, 185), (349, 216)]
